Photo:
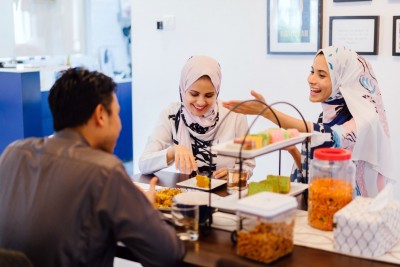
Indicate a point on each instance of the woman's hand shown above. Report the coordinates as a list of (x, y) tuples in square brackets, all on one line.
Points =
[(251, 107), (184, 159), (221, 173)]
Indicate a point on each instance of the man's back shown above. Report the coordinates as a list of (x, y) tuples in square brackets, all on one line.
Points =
[(66, 204)]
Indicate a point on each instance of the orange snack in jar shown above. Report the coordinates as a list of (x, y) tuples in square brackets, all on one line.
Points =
[(267, 242), (326, 197), (268, 229)]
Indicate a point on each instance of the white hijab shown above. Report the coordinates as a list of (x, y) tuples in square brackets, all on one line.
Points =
[(354, 80), (196, 67)]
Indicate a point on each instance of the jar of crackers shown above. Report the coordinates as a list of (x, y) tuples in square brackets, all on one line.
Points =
[(331, 185), (265, 231)]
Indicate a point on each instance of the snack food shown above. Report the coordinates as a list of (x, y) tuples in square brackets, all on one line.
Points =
[(267, 230), (256, 187), (264, 138), (250, 142), (326, 197), (247, 143), (164, 197), (273, 183), (266, 242), (281, 184), (276, 135), (291, 132), (202, 181)]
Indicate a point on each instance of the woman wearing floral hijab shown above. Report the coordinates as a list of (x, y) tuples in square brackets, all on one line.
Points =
[(353, 117), (186, 130)]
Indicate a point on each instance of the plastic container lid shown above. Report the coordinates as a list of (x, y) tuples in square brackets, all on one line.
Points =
[(266, 204), (332, 154), (195, 198)]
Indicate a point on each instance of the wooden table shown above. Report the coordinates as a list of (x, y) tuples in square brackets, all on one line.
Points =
[(216, 248)]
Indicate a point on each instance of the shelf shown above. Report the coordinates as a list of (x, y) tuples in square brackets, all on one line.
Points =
[(225, 149), (228, 203)]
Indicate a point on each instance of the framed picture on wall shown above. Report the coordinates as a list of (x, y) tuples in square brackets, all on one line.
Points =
[(350, 0), (294, 27), (359, 33), (396, 36)]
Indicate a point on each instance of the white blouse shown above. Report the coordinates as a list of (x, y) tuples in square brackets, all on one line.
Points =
[(154, 156)]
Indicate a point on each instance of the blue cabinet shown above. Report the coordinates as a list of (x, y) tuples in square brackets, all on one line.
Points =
[(20, 106), (124, 148), (25, 112)]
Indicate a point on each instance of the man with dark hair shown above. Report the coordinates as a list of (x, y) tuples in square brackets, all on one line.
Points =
[(65, 200)]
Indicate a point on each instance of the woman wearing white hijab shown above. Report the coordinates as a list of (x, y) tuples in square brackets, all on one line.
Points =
[(186, 130), (353, 117)]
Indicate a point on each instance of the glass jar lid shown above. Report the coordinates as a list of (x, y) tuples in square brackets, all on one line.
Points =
[(332, 154)]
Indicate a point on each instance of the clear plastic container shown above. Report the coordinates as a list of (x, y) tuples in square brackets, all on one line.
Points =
[(331, 185), (266, 230)]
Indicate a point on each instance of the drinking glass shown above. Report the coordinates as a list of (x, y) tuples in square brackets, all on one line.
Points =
[(186, 220), (234, 178)]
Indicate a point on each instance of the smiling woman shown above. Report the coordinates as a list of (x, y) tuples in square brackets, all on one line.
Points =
[(187, 130), (353, 117)]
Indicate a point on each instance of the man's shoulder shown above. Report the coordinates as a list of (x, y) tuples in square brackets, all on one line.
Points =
[(63, 151), (26, 143), (98, 157)]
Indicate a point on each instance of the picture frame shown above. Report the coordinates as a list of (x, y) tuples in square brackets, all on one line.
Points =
[(360, 33), (396, 36), (350, 0), (294, 29)]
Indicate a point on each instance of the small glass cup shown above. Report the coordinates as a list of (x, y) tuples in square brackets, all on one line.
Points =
[(186, 220), (236, 181)]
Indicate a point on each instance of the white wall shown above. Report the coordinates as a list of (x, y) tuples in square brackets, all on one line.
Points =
[(234, 32), (6, 29), (43, 28)]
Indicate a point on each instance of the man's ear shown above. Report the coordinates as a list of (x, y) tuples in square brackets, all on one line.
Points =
[(99, 115)]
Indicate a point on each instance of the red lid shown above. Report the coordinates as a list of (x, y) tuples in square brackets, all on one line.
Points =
[(332, 154)]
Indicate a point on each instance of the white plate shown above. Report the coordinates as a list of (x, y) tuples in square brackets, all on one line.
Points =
[(146, 187), (226, 150), (196, 198), (228, 203), (192, 184), (224, 221)]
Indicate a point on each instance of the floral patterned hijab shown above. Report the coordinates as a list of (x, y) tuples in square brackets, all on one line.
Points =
[(353, 80)]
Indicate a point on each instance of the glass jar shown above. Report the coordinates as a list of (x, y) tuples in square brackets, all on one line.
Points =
[(265, 231), (331, 185)]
